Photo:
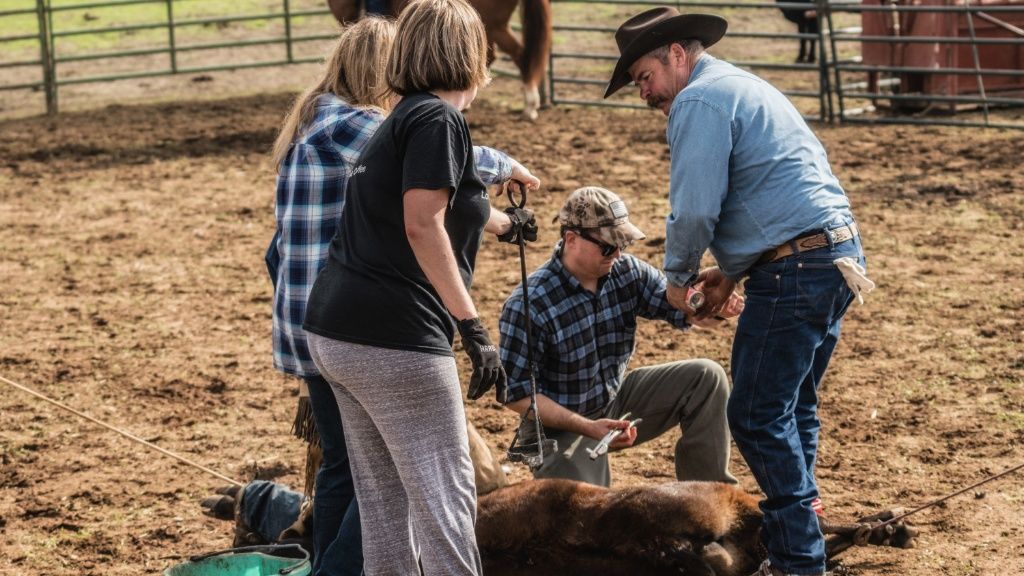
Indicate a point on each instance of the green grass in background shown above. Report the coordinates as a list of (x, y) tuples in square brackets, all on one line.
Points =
[(115, 15)]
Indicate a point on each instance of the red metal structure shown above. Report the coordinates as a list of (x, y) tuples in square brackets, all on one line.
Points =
[(954, 46)]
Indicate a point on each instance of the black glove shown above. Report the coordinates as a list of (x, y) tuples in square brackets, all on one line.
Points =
[(487, 370), (522, 222)]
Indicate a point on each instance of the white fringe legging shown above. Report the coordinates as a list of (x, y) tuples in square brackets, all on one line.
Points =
[(405, 429)]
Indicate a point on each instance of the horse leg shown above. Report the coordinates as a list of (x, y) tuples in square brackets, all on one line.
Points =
[(395, 7), (344, 11), (508, 44), (531, 101), (492, 51), (802, 29), (511, 45), (537, 35), (812, 27)]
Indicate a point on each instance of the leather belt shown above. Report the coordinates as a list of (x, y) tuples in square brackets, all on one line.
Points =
[(810, 242)]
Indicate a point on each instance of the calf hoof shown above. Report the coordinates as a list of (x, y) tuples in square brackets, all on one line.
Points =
[(219, 507), (897, 535), (229, 490)]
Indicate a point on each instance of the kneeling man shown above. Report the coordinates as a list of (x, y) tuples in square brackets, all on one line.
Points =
[(584, 306)]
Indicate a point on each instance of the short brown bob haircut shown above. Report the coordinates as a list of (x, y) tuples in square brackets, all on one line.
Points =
[(440, 45)]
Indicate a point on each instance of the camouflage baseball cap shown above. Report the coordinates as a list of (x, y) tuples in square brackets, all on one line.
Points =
[(602, 211)]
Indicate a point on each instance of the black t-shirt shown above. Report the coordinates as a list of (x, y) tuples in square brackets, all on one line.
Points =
[(372, 290)]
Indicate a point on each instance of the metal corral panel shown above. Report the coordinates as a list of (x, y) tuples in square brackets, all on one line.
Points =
[(952, 25)]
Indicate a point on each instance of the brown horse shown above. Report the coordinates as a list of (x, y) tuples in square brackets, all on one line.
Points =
[(530, 55)]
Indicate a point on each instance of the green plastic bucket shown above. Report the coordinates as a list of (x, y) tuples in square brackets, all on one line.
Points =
[(248, 561)]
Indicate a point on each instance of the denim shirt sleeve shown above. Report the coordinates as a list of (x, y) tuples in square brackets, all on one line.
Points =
[(493, 165), (653, 303), (700, 142)]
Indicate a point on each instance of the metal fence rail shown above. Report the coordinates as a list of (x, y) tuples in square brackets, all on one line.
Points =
[(50, 60), (919, 72), (818, 71), (44, 56), (980, 73)]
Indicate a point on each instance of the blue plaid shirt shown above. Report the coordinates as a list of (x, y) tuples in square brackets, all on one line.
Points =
[(311, 185), (582, 341)]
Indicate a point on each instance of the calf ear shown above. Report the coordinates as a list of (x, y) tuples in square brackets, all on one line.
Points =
[(716, 556)]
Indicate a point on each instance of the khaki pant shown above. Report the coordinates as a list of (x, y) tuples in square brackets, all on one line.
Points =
[(691, 394)]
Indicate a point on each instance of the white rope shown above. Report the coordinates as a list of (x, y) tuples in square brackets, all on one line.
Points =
[(121, 432)]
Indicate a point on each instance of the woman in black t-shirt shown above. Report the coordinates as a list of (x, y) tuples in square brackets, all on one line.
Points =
[(383, 312)]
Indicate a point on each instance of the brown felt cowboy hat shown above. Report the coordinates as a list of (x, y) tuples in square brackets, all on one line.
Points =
[(655, 28)]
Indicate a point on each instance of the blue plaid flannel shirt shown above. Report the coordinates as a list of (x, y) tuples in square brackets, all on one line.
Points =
[(311, 185), (582, 342)]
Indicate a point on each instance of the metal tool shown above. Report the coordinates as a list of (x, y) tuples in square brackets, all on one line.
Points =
[(529, 445), (694, 298), (602, 447)]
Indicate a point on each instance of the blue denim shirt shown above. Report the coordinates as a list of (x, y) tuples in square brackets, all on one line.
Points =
[(747, 173)]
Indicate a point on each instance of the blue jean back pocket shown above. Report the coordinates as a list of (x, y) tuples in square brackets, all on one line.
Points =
[(820, 286)]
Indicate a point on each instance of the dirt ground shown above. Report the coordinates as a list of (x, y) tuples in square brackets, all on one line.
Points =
[(133, 289)]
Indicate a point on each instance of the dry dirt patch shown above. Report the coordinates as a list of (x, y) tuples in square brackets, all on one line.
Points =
[(133, 288)]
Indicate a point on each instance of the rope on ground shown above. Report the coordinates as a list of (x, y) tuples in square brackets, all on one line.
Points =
[(128, 435), (948, 496)]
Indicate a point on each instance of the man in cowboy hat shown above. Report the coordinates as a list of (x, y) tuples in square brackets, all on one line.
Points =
[(584, 305), (750, 182)]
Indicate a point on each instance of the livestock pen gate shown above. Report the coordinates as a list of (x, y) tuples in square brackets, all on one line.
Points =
[(758, 39), (876, 61), (955, 62), (159, 40), (946, 62)]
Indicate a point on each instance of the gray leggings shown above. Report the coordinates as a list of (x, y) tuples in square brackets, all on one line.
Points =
[(406, 435)]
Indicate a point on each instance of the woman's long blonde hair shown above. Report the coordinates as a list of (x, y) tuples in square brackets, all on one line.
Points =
[(355, 72), (441, 45)]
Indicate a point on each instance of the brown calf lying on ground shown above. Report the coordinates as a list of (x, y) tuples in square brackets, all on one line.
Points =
[(567, 528), (564, 527)]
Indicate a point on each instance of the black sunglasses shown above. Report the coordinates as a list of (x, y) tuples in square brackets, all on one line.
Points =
[(606, 248)]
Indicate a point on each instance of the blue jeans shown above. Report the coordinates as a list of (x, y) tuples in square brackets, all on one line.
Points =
[(268, 508), (336, 533), (784, 340)]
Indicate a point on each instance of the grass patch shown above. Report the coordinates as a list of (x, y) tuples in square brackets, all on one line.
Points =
[(67, 18), (1014, 418)]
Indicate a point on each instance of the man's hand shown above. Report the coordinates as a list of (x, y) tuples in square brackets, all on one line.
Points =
[(717, 290), (733, 307), (521, 178), (487, 369), (602, 426), (676, 296)]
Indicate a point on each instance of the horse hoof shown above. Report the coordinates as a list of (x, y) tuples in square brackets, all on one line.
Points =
[(531, 101)]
